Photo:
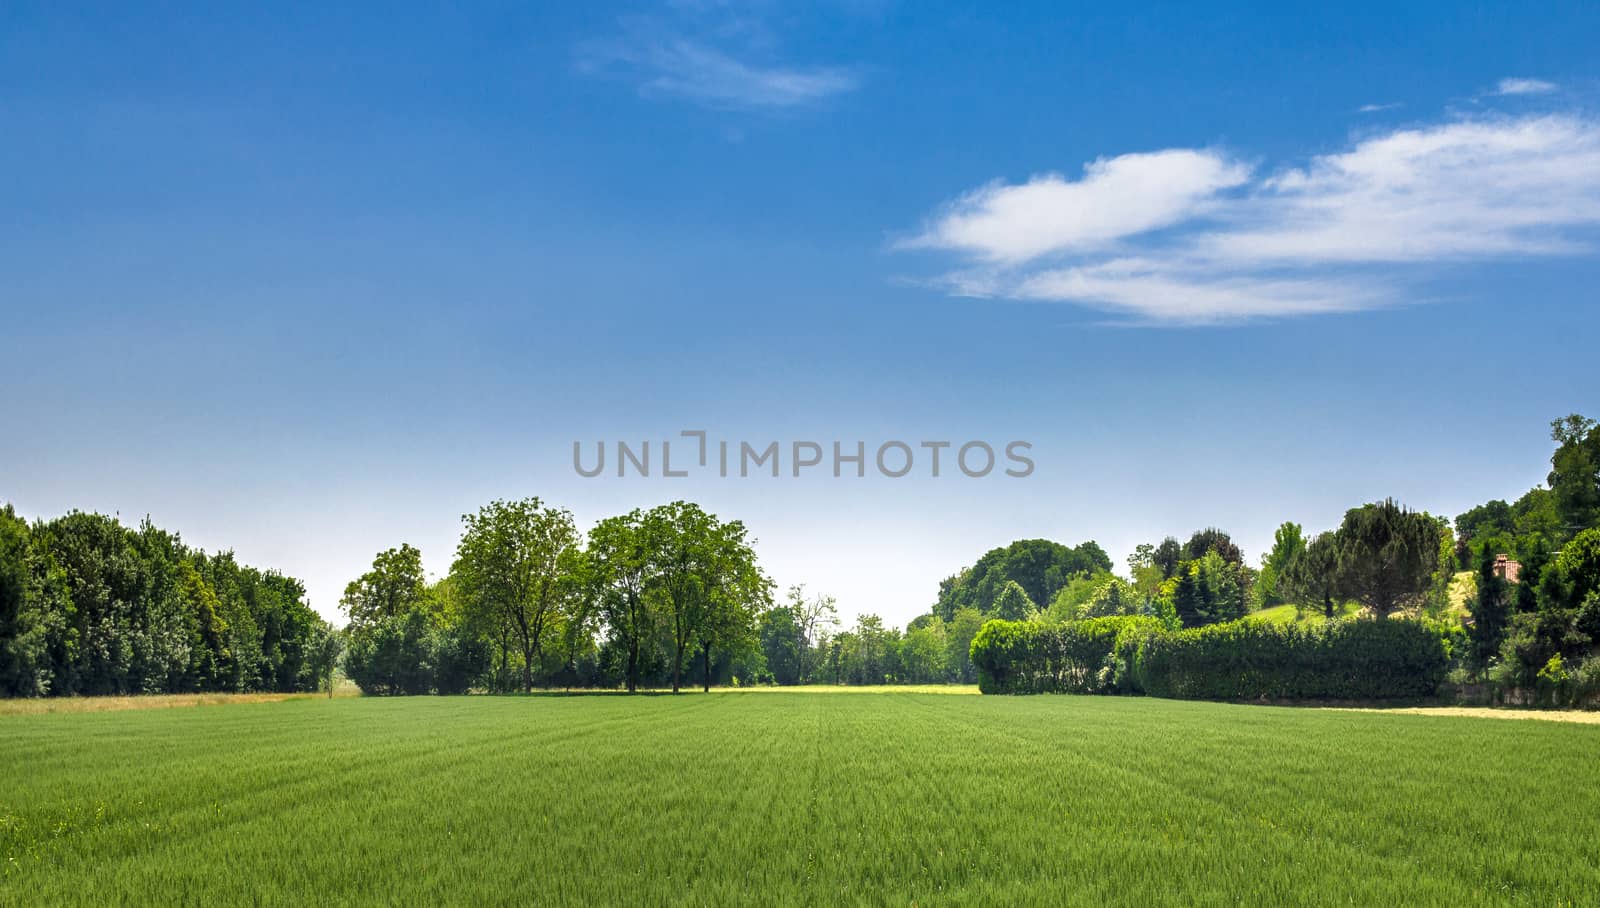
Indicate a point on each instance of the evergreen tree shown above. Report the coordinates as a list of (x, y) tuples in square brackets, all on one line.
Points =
[(1186, 599), (1013, 603), (1491, 610)]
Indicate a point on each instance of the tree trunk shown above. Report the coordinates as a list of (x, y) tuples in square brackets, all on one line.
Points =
[(503, 681), (633, 664), (705, 661)]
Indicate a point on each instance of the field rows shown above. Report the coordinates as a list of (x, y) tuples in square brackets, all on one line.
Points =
[(804, 798)]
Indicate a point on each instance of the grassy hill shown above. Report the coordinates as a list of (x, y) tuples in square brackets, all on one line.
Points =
[(791, 798), (1463, 586), (1287, 614)]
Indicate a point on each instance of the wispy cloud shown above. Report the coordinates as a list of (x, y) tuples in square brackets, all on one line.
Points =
[(706, 55), (1524, 87), (1376, 108), (1196, 236), (1116, 197)]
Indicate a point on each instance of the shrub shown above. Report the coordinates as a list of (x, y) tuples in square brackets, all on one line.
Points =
[(412, 653), (1246, 660), (1584, 685), (1090, 656), (1242, 660)]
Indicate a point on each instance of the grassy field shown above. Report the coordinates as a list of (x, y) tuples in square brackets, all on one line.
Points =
[(793, 798)]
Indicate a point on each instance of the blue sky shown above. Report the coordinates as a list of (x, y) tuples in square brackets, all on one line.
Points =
[(310, 283)]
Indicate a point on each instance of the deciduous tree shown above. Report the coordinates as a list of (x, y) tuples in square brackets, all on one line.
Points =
[(516, 561)]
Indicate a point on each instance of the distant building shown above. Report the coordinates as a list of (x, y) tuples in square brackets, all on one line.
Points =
[(1506, 569)]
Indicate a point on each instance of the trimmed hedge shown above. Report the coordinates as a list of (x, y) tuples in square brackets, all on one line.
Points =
[(1250, 660), (1241, 660), (1093, 656)]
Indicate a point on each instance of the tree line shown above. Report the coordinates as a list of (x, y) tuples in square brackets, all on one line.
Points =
[(659, 598), (663, 597), (90, 607), (674, 596), (1511, 591)]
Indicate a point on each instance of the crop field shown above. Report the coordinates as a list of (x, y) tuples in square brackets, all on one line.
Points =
[(793, 798)]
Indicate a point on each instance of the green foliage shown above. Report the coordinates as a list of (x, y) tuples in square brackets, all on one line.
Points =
[(517, 568), (1544, 518), (1387, 556), (1491, 611), (782, 642), (1288, 545), (1039, 566), (1587, 619), (1212, 540), (1575, 472), (88, 606), (1089, 657), (1210, 589), (1579, 567), (394, 586), (1311, 578), (616, 577), (393, 655), (1251, 660), (925, 653), (704, 574), (959, 634), (1012, 603)]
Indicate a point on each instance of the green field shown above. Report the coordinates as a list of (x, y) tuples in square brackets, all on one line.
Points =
[(794, 798)]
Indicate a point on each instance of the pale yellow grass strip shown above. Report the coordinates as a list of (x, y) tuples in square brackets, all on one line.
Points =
[(1486, 712), (44, 705)]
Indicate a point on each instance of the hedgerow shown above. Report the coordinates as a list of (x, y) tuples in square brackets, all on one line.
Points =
[(1241, 660), (1093, 656)]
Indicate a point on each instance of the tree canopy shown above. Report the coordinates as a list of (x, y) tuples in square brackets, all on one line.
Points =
[(1040, 567)]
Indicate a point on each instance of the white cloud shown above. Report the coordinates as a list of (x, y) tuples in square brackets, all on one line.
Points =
[(1117, 197), (1196, 243), (716, 59), (1524, 87), (1158, 292), (1473, 188), (1376, 108)]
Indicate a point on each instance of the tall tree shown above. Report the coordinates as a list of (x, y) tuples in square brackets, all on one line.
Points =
[(736, 591), (1288, 543), (1491, 610), (813, 614), (322, 656), (516, 560), (1212, 539), (1312, 577), (394, 586), (1186, 599), (618, 572), (676, 537), (1575, 473), (1578, 567), (1387, 556), (705, 573), (960, 631), (782, 643), (1167, 555)]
